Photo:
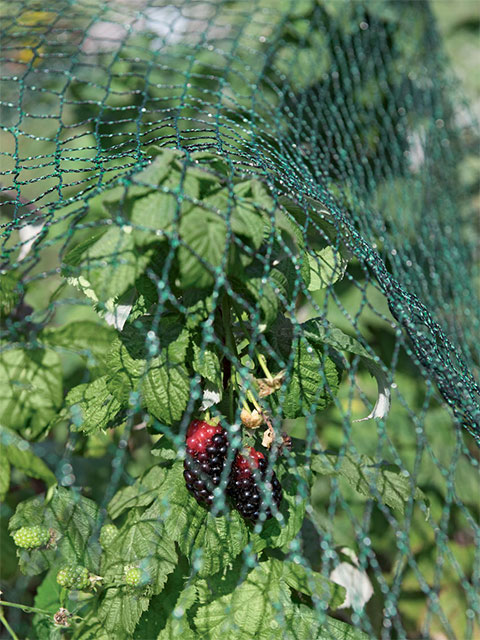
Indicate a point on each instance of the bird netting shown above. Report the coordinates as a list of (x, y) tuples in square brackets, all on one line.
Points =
[(239, 322)]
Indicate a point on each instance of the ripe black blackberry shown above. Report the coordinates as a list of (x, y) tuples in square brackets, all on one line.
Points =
[(207, 447), (243, 489)]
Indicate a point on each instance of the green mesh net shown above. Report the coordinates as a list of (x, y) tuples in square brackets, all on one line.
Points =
[(239, 321)]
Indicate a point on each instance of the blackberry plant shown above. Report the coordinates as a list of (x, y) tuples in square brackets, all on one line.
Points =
[(201, 282)]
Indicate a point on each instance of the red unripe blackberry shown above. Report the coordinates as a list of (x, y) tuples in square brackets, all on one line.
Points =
[(244, 490), (207, 447)]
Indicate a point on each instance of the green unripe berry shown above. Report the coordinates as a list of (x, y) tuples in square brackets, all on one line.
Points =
[(108, 533), (133, 576), (73, 577), (31, 537)]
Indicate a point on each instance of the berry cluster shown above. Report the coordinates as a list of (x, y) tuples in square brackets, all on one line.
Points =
[(73, 577), (243, 487), (132, 576), (108, 533), (31, 537), (207, 447)]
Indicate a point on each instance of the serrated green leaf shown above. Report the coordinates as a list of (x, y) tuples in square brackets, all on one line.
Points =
[(89, 339), (112, 264), (326, 267), (92, 407), (75, 255), (339, 630), (249, 611), (158, 169), (160, 621), (74, 520), (313, 382), (154, 212), (211, 543), (163, 381), (244, 218), (140, 494), (166, 390), (375, 479), (296, 488), (207, 363), (18, 453), (120, 611), (319, 331), (30, 389), (204, 235), (304, 623), (141, 542), (312, 583)]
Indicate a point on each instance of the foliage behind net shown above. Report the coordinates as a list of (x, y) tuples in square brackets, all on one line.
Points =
[(240, 319)]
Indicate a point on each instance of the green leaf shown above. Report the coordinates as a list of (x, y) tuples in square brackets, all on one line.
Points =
[(295, 481), (338, 630), (260, 295), (155, 212), (112, 264), (163, 380), (319, 331), (75, 255), (91, 340), (204, 236), (245, 219), (160, 621), (4, 473), (48, 593), (304, 623), (73, 518), (140, 494), (313, 382), (207, 363), (326, 267), (19, 454), (312, 583), (141, 542), (91, 406), (375, 479), (30, 389), (249, 611), (210, 542), (158, 169), (166, 390)]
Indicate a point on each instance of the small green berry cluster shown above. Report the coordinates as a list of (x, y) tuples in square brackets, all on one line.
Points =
[(132, 576), (31, 537), (73, 577), (108, 533)]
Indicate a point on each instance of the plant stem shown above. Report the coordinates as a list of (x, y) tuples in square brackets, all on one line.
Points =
[(263, 363), (232, 348), (252, 399), (7, 626), (24, 607)]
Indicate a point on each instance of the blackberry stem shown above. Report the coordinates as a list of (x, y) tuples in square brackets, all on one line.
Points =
[(263, 363), (232, 347), (3, 620), (25, 608)]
